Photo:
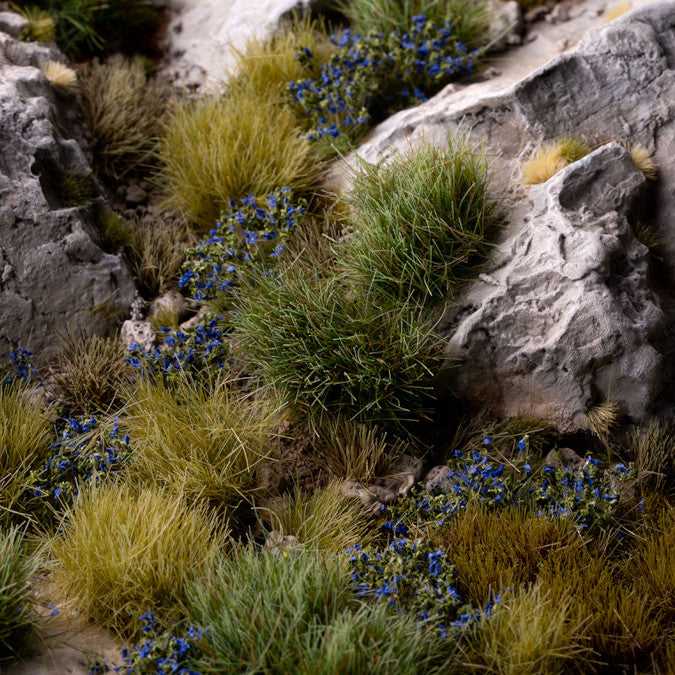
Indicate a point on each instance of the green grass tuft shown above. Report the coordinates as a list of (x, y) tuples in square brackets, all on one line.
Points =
[(653, 449), (122, 553), (114, 231), (18, 618), (424, 222), (242, 144), (75, 189), (123, 110), (40, 27)]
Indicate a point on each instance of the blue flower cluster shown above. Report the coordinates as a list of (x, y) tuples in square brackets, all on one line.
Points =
[(161, 652), (83, 452), (20, 367), (413, 577), (395, 69), (245, 233), (588, 495), (195, 351)]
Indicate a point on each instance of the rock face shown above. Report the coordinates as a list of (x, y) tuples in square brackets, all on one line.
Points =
[(568, 312), (52, 272), (203, 33)]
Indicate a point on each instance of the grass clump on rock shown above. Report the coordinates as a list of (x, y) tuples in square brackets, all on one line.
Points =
[(123, 110), (424, 222), (123, 552), (553, 157), (232, 147)]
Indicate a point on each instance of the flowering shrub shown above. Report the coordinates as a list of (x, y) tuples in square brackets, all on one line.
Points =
[(79, 455), (195, 351), (244, 234), (19, 367), (416, 578), (396, 68), (161, 652), (588, 495)]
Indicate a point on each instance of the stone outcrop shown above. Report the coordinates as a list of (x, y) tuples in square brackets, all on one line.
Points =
[(568, 312), (53, 274), (203, 34)]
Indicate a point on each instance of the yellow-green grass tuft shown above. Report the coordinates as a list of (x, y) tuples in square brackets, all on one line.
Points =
[(124, 552), (41, 26), (603, 418), (206, 443), (89, 373), (616, 10), (156, 253), (242, 144), (76, 189), (59, 75), (653, 450), (123, 110), (325, 520), (553, 157), (25, 435), (353, 451), (644, 161), (18, 617), (114, 231), (499, 550), (529, 632), (646, 235)]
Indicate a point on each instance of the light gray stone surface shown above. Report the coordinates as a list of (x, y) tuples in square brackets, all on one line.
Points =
[(567, 314), (52, 272)]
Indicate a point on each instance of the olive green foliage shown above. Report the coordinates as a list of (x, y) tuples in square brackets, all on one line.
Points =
[(124, 552), (25, 434), (325, 520), (84, 28), (646, 235), (242, 144), (114, 231), (40, 27), (296, 614), (424, 221), (18, 618), (358, 452), (328, 352), (206, 443), (653, 449), (89, 372), (124, 110), (75, 189), (156, 253), (469, 18)]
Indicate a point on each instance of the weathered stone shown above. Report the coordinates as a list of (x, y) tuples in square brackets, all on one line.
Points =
[(173, 301), (203, 35), (141, 333), (402, 475), (505, 23), (439, 475), (136, 195), (565, 458), (283, 545), (566, 311), (371, 497), (52, 273), (12, 23)]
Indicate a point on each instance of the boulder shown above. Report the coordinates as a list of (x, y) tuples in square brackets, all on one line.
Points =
[(53, 274), (568, 311), (203, 34)]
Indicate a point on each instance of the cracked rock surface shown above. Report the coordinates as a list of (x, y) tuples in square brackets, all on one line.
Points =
[(53, 274)]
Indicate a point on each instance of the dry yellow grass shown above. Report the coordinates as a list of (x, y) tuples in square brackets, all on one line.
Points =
[(59, 75), (551, 158), (616, 10), (643, 160)]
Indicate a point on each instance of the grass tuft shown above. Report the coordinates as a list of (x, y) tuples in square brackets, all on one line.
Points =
[(207, 443), (644, 161), (156, 253), (89, 373), (603, 417), (357, 452), (18, 617), (59, 75), (41, 26), (123, 110), (553, 157), (114, 231), (75, 189), (25, 434), (424, 221), (325, 520), (653, 449), (243, 144), (122, 553)]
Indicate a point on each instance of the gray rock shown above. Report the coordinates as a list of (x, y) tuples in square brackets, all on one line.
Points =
[(565, 458), (566, 313), (173, 301), (402, 474), (52, 273), (141, 333), (439, 475), (283, 545), (505, 23), (371, 497), (136, 195), (203, 35), (12, 23)]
